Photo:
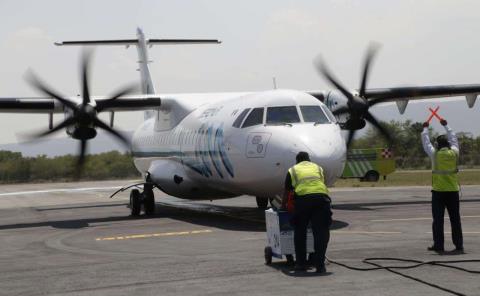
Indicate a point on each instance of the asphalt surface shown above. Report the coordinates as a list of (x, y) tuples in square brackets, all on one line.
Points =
[(71, 239)]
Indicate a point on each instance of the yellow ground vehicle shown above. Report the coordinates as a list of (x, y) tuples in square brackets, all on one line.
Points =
[(369, 164)]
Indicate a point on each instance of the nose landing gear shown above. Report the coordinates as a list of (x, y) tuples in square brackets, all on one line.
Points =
[(140, 200), (145, 199)]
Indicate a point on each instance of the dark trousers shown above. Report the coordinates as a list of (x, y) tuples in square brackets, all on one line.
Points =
[(440, 201), (316, 210)]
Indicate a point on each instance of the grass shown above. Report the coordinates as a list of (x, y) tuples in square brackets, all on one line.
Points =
[(411, 178)]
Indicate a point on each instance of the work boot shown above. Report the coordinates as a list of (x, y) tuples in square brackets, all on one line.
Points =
[(458, 251), (436, 249), (321, 269), (300, 267)]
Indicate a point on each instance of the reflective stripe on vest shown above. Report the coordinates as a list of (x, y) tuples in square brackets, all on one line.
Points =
[(307, 178), (444, 173)]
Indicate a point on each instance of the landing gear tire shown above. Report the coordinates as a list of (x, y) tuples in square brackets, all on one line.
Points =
[(135, 203), (268, 255), (149, 202), (262, 203)]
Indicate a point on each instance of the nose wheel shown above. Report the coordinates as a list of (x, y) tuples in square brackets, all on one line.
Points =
[(142, 200)]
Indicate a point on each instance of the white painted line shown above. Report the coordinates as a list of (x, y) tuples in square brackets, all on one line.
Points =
[(416, 219), (60, 190)]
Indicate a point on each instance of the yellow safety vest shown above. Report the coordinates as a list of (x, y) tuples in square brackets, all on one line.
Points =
[(307, 178), (444, 173)]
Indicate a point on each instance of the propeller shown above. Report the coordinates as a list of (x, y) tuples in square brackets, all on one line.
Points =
[(82, 122), (357, 105)]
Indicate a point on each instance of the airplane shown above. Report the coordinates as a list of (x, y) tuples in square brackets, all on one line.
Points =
[(205, 146)]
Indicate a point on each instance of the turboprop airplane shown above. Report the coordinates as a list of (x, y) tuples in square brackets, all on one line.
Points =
[(222, 145)]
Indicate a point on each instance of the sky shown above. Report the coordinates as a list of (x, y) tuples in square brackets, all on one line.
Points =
[(429, 42)]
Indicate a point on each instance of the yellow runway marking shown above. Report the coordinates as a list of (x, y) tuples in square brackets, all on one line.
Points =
[(365, 232), (416, 219), (148, 235)]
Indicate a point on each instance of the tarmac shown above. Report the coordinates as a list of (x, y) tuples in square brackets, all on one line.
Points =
[(72, 239)]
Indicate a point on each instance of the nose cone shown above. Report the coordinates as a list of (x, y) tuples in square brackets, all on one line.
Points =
[(326, 147)]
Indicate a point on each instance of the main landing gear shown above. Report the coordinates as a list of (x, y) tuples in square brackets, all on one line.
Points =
[(142, 200), (262, 202)]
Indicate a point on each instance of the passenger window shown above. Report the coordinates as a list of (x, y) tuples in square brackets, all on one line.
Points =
[(280, 115), (314, 114), (254, 118), (238, 121)]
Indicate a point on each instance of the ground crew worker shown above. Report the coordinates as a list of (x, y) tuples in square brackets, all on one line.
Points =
[(312, 204), (445, 186)]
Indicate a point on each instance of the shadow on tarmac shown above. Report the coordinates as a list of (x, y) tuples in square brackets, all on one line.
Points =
[(222, 217), (288, 270)]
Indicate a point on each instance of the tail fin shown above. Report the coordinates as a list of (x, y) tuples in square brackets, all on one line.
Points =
[(141, 43)]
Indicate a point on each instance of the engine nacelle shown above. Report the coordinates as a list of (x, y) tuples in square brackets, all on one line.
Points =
[(82, 133)]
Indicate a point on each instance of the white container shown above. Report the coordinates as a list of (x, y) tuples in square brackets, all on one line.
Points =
[(280, 235)]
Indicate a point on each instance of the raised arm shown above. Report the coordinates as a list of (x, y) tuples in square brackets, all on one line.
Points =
[(452, 137), (427, 145)]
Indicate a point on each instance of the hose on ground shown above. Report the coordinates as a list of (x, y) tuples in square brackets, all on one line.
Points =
[(414, 264)]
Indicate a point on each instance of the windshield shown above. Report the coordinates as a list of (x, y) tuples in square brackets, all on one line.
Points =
[(240, 118), (281, 115), (329, 114), (314, 114), (254, 118)]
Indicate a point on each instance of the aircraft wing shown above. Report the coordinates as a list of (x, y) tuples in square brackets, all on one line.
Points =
[(48, 105), (422, 92), (402, 95)]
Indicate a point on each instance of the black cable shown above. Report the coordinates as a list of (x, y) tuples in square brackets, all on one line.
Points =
[(417, 263)]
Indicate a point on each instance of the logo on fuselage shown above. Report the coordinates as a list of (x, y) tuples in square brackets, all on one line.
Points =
[(209, 152)]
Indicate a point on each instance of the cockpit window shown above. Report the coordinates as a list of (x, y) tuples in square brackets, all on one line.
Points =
[(238, 121), (314, 114), (254, 118), (329, 114), (280, 115)]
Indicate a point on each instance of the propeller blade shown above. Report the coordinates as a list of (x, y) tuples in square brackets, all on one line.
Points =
[(351, 134), (85, 73), (81, 158), (341, 110), (83, 150), (41, 86), (322, 69), (107, 128), (67, 122), (370, 118), (368, 60), (120, 93)]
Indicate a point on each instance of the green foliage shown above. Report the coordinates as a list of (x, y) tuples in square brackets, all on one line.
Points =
[(407, 145), (110, 165)]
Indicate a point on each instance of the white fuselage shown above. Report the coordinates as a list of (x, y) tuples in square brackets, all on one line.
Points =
[(191, 148)]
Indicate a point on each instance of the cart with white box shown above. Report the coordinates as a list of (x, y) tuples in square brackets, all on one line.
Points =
[(280, 236)]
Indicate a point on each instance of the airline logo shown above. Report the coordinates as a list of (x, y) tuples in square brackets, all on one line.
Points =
[(210, 156)]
